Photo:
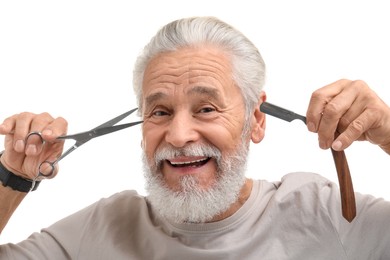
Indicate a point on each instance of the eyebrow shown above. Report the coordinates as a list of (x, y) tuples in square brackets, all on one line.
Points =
[(197, 90), (202, 90), (154, 97)]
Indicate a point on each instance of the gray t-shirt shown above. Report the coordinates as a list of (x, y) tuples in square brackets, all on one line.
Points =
[(296, 218)]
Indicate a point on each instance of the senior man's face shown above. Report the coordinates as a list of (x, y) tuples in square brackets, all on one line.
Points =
[(193, 140)]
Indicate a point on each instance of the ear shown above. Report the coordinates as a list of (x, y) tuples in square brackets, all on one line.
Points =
[(258, 121)]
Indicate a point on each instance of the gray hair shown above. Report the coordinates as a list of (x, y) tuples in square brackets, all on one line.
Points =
[(247, 64)]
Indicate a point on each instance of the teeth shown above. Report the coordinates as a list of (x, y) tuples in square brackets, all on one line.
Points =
[(191, 162)]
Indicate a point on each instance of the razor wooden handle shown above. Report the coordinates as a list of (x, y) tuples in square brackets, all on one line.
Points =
[(348, 204)]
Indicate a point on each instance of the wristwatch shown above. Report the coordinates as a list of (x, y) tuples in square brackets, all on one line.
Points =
[(9, 179)]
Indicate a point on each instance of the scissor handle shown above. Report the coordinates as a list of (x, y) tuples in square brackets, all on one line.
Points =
[(46, 169), (45, 173)]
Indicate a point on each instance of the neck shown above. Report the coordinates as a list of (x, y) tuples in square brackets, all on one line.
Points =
[(242, 198)]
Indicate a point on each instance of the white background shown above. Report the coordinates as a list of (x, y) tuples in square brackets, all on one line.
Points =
[(74, 59)]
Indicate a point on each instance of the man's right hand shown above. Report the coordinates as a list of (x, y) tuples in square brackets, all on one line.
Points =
[(23, 156)]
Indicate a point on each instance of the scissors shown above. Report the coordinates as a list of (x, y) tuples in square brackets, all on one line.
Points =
[(46, 168)]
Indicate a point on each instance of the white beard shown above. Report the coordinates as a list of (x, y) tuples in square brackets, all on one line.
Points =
[(193, 203)]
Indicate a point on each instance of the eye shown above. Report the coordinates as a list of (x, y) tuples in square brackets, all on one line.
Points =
[(159, 113), (207, 110)]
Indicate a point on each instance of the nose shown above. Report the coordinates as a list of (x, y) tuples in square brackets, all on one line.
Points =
[(182, 130)]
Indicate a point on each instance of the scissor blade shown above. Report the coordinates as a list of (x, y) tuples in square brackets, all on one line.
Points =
[(115, 120), (279, 112), (110, 129)]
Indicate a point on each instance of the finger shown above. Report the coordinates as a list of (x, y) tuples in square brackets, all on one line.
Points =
[(49, 168), (21, 130), (46, 169), (34, 141), (7, 126), (49, 175), (53, 147), (354, 130), (335, 112), (56, 128), (319, 99), (356, 108)]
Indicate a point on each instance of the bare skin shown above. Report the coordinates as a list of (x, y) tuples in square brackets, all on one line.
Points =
[(9, 201), (186, 93), (354, 110), (190, 97), (21, 157)]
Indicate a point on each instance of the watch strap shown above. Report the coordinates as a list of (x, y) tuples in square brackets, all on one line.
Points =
[(9, 179)]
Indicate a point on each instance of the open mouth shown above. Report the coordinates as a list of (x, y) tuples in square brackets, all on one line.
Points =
[(193, 163)]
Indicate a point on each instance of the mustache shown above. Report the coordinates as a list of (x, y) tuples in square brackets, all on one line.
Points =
[(168, 152)]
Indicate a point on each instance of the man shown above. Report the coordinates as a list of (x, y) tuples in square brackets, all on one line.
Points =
[(199, 87)]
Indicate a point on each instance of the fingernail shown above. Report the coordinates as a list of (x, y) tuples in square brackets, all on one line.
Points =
[(47, 132), (337, 145), (31, 149), (19, 146)]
